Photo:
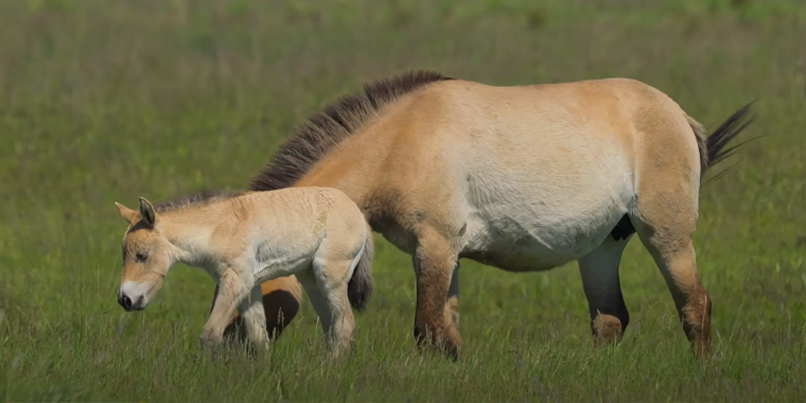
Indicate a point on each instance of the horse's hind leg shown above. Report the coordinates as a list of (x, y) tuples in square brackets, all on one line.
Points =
[(665, 220), (600, 280)]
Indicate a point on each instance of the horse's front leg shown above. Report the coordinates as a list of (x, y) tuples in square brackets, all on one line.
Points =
[(436, 319), (232, 289)]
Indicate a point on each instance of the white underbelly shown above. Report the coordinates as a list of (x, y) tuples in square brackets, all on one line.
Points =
[(529, 224), (518, 243)]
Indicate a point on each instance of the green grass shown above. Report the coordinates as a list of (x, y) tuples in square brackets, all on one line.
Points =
[(104, 101)]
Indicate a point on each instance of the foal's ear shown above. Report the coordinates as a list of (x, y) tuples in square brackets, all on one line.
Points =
[(147, 212), (127, 213)]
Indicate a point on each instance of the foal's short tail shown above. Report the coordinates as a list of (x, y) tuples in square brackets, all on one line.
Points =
[(712, 148), (359, 289)]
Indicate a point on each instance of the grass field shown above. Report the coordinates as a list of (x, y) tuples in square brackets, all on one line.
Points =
[(104, 101)]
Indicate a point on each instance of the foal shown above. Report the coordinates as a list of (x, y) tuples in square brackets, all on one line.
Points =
[(242, 240)]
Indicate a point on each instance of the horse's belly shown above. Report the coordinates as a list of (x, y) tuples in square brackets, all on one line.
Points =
[(527, 234), (518, 258), (532, 247)]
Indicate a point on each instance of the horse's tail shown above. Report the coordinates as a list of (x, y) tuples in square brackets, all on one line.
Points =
[(359, 289), (712, 148)]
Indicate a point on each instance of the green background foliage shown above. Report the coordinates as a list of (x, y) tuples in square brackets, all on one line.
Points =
[(104, 101)]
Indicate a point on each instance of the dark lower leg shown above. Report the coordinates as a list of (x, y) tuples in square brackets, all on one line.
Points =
[(695, 313), (600, 280)]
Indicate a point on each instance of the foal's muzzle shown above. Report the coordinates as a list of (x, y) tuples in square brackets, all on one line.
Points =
[(128, 305)]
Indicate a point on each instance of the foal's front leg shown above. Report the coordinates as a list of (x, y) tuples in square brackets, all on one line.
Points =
[(231, 290)]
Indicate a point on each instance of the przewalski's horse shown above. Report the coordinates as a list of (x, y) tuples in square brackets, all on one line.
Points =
[(317, 234), (523, 178)]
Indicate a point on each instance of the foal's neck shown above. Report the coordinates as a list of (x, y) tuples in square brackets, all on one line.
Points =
[(190, 230)]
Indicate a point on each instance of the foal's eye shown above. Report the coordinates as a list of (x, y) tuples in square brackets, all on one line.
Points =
[(141, 257)]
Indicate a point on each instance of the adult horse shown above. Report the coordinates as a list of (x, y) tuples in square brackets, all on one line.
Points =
[(523, 178)]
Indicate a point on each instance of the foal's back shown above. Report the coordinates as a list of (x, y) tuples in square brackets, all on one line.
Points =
[(284, 227), (301, 211)]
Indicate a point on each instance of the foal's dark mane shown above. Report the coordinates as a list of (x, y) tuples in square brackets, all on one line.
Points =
[(338, 121), (202, 198)]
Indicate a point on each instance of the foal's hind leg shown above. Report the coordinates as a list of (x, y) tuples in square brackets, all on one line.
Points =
[(665, 222), (326, 287), (254, 317), (600, 279)]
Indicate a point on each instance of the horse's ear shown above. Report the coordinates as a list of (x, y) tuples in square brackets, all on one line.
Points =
[(147, 212), (127, 213)]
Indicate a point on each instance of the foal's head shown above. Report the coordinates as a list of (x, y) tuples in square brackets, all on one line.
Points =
[(147, 256)]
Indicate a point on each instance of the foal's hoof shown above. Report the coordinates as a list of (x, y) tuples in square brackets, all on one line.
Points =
[(209, 341)]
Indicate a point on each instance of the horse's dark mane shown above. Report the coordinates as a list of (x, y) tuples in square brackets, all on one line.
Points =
[(326, 129), (202, 198)]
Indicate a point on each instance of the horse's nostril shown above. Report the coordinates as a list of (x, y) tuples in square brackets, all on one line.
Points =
[(125, 301)]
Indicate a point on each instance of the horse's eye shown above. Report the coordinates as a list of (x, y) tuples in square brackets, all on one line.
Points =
[(141, 257)]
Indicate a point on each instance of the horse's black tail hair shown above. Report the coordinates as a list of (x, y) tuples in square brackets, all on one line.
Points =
[(713, 148)]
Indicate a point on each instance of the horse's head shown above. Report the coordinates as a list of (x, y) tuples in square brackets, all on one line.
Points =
[(146, 257)]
